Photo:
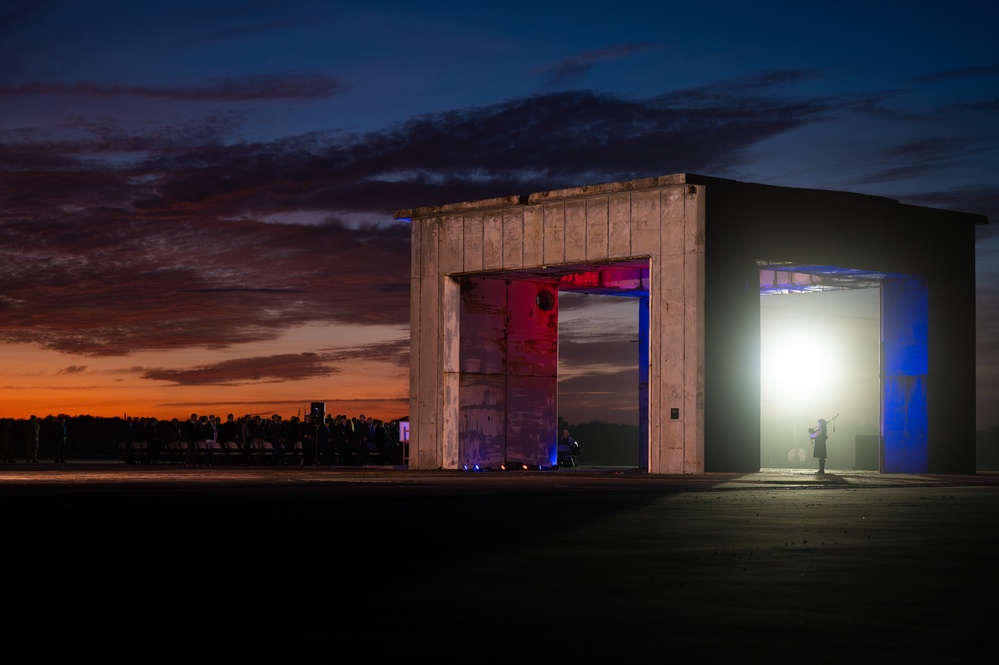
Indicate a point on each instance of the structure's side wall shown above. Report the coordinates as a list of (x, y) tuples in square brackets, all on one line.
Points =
[(750, 222), (597, 231), (672, 334), (417, 406), (534, 236), (472, 252), (426, 317), (952, 359), (619, 226), (645, 229), (492, 240), (452, 255), (450, 368), (680, 331), (575, 231), (513, 238), (695, 221), (553, 220), (736, 221), (451, 260)]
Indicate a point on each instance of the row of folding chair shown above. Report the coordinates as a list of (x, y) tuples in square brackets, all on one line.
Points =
[(209, 452)]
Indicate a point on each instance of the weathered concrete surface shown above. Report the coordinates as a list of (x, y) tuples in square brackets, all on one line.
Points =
[(141, 563)]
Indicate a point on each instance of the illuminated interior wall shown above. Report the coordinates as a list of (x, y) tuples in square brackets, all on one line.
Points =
[(506, 374), (904, 375), (480, 373)]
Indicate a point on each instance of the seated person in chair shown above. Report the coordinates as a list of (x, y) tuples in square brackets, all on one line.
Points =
[(568, 450)]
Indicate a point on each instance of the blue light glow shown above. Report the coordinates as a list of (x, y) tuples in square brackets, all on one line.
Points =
[(904, 340)]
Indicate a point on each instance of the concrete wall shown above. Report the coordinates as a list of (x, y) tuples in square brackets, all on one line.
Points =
[(536, 239)]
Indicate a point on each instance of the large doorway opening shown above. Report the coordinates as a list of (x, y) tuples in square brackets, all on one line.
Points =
[(541, 349), (819, 358), (598, 378), (851, 347)]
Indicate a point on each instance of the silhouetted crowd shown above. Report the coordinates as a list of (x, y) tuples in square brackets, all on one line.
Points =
[(250, 439)]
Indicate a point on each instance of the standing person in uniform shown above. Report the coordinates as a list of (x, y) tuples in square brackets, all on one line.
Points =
[(60, 453), (192, 433), (324, 442), (275, 434), (32, 439), (819, 436)]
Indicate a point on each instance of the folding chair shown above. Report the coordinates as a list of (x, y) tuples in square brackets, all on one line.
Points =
[(179, 451), (139, 451), (216, 455), (233, 453), (297, 454), (200, 451), (265, 452)]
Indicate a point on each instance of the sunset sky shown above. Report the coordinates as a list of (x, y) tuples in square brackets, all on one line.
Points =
[(197, 197)]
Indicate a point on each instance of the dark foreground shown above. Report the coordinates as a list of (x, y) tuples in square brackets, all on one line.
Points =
[(132, 564)]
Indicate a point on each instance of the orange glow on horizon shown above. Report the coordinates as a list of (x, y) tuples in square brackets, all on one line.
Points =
[(110, 404), (37, 381)]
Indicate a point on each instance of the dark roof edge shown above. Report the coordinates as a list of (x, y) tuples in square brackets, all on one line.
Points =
[(647, 183)]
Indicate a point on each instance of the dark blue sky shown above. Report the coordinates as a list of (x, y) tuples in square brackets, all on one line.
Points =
[(181, 183)]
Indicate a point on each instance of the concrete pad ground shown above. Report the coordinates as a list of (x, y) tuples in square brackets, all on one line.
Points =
[(246, 564)]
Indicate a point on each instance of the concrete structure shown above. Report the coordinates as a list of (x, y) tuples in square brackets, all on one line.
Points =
[(698, 252)]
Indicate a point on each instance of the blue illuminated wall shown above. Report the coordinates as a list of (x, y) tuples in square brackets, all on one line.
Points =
[(905, 375)]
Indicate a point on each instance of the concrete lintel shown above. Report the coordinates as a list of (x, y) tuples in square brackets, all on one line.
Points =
[(455, 208), (539, 198), (606, 188)]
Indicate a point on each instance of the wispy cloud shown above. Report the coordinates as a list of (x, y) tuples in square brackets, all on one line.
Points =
[(175, 246), (260, 87), (573, 70), (958, 73), (283, 367)]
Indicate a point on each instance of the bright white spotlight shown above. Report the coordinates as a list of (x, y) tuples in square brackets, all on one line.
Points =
[(798, 364)]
